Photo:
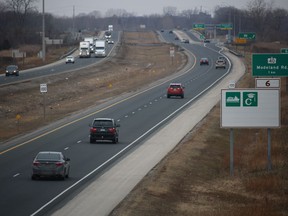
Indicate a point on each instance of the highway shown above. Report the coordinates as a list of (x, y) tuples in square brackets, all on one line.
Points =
[(140, 115), (60, 66)]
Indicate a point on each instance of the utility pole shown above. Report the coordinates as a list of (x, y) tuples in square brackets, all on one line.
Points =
[(43, 31), (73, 27)]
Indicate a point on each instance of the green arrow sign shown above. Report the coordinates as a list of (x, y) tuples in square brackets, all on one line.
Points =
[(228, 26), (199, 26), (270, 64), (248, 35), (284, 50)]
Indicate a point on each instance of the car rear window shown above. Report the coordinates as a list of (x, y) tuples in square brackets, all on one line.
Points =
[(103, 123), (175, 86), (48, 156)]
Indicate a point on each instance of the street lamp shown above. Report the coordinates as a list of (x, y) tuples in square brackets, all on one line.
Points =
[(43, 31)]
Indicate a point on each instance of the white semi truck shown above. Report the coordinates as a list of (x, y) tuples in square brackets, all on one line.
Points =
[(100, 48), (84, 49), (91, 41), (110, 28)]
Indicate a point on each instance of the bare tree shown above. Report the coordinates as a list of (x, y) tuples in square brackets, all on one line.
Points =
[(170, 11), (257, 11), (21, 6)]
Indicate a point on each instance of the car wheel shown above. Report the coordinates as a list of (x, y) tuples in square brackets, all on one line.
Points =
[(33, 177), (67, 174), (114, 140), (182, 96), (168, 96), (7, 75), (92, 140), (62, 177)]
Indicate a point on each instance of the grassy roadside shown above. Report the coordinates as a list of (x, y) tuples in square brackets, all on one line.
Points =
[(194, 178)]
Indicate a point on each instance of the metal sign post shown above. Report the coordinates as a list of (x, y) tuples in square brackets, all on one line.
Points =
[(43, 90), (231, 152), (269, 150)]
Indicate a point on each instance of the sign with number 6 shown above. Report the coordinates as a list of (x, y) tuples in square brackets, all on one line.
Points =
[(267, 83)]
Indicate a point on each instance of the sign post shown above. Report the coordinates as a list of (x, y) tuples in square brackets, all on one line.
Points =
[(172, 54), (43, 90)]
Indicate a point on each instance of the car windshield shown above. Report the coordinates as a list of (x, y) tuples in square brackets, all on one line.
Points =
[(48, 156), (11, 67), (103, 123)]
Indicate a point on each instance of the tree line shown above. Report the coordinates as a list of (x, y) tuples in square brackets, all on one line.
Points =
[(21, 22)]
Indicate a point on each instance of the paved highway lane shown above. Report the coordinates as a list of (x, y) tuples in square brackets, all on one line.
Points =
[(60, 66), (139, 115)]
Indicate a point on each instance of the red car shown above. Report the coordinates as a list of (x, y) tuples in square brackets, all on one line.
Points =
[(204, 61), (175, 89)]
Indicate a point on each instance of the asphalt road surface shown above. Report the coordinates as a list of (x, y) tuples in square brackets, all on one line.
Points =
[(140, 116)]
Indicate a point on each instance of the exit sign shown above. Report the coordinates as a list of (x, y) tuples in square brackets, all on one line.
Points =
[(199, 26), (247, 35), (228, 26)]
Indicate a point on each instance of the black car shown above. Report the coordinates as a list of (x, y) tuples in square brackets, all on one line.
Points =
[(12, 70), (104, 129)]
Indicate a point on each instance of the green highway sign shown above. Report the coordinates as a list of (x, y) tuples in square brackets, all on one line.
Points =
[(233, 99), (250, 99), (228, 26), (273, 64), (284, 50), (199, 26), (247, 35)]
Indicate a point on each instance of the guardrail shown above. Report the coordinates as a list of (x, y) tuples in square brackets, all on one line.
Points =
[(235, 53)]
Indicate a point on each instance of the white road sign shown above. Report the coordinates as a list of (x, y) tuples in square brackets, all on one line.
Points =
[(43, 88), (267, 82), (250, 108)]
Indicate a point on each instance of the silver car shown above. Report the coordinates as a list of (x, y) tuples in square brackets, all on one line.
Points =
[(50, 164)]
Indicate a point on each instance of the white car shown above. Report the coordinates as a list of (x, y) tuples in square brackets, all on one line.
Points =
[(110, 42), (70, 59)]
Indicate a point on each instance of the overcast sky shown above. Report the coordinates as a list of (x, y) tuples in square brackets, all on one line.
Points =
[(139, 8)]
